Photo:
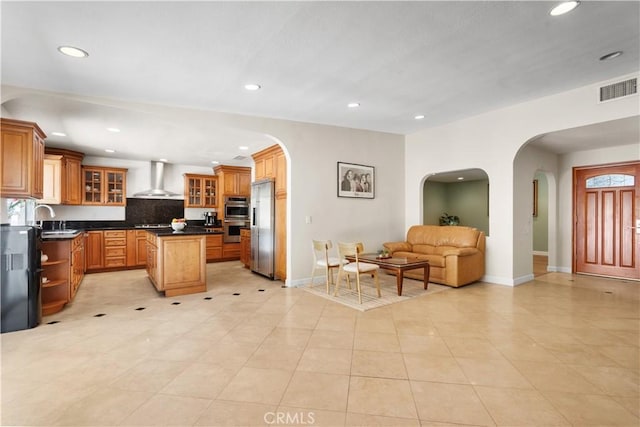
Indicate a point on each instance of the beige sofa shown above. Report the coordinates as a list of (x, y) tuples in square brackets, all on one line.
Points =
[(455, 253)]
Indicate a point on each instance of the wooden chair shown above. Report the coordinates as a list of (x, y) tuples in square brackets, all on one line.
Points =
[(357, 268), (322, 260)]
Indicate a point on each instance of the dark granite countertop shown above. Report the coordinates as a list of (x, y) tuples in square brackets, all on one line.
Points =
[(166, 231), (188, 231)]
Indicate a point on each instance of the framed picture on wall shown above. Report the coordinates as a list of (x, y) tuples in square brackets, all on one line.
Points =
[(357, 181)]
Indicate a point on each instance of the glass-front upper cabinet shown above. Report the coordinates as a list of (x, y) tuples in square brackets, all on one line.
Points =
[(200, 191), (104, 186)]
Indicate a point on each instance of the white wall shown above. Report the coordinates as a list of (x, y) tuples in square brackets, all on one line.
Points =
[(491, 141)]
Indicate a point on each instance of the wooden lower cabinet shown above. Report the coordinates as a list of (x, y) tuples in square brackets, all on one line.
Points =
[(214, 247), (231, 251), (77, 265), (136, 248), (245, 247), (115, 248), (94, 249), (63, 271), (176, 265)]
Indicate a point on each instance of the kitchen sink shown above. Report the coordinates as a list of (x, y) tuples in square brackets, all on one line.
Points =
[(58, 232)]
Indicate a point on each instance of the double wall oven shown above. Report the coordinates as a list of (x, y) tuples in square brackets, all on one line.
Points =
[(236, 217)]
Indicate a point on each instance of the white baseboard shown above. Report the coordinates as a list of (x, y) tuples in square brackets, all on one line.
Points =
[(543, 253)]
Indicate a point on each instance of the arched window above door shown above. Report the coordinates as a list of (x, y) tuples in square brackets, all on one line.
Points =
[(610, 180)]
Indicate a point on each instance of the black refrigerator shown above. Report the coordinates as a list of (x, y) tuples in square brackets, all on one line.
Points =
[(20, 276), (262, 228)]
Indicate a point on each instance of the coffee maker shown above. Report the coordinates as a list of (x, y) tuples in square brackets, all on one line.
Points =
[(211, 219)]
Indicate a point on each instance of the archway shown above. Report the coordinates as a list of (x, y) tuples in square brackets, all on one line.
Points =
[(462, 193)]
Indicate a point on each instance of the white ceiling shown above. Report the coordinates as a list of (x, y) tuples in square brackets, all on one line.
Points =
[(446, 60)]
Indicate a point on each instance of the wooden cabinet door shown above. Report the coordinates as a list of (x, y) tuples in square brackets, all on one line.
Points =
[(77, 265), (72, 181), (52, 180), (104, 186), (230, 183), (92, 186), (244, 184), (214, 247), (136, 248), (259, 169), (192, 191), (209, 187), (115, 187), (200, 191), (281, 174), (38, 166), (94, 250), (21, 159)]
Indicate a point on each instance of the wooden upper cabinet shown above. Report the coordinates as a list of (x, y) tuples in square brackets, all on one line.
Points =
[(233, 181), (104, 186), (200, 191), (71, 175), (21, 159), (52, 180)]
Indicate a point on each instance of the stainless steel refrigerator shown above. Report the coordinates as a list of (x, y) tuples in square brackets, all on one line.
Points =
[(262, 228), (21, 270)]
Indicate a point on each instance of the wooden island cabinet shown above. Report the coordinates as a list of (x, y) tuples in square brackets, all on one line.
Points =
[(176, 261)]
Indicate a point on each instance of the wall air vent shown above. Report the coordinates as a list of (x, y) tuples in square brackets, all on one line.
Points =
[(618, 90)]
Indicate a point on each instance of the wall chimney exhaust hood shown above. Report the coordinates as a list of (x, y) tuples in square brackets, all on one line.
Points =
[(157, 184)]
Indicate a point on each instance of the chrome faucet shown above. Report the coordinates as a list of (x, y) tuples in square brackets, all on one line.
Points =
[(51, 212)]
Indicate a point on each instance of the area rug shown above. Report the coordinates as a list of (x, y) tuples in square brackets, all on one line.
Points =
[(349, 297)]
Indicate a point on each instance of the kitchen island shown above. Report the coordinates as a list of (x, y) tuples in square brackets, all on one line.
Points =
[(176, 260)]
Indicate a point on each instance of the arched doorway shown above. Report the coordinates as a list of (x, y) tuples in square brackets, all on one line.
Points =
[(461, 193)]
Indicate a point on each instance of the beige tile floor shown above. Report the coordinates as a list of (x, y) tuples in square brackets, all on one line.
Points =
[(560, 350)]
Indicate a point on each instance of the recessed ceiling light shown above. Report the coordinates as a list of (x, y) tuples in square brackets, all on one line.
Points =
[(163, 160), (353, 104), (215, 162), (252, 86), (73, 51), (419, 117), (58, 133), (460, 178), (243, 147), (564, 7), (109, 150), (611, 55), (114, 130)]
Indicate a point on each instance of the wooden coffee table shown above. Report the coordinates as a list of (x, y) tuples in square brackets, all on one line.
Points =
[(397, 265)]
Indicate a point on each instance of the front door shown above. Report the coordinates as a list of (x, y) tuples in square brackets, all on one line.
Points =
[(607, 222)]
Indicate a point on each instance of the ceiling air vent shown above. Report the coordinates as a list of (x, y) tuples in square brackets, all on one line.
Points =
[(618, 90), (240, 158)]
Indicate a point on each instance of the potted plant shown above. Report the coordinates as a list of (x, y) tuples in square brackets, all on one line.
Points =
[(446, 219)]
